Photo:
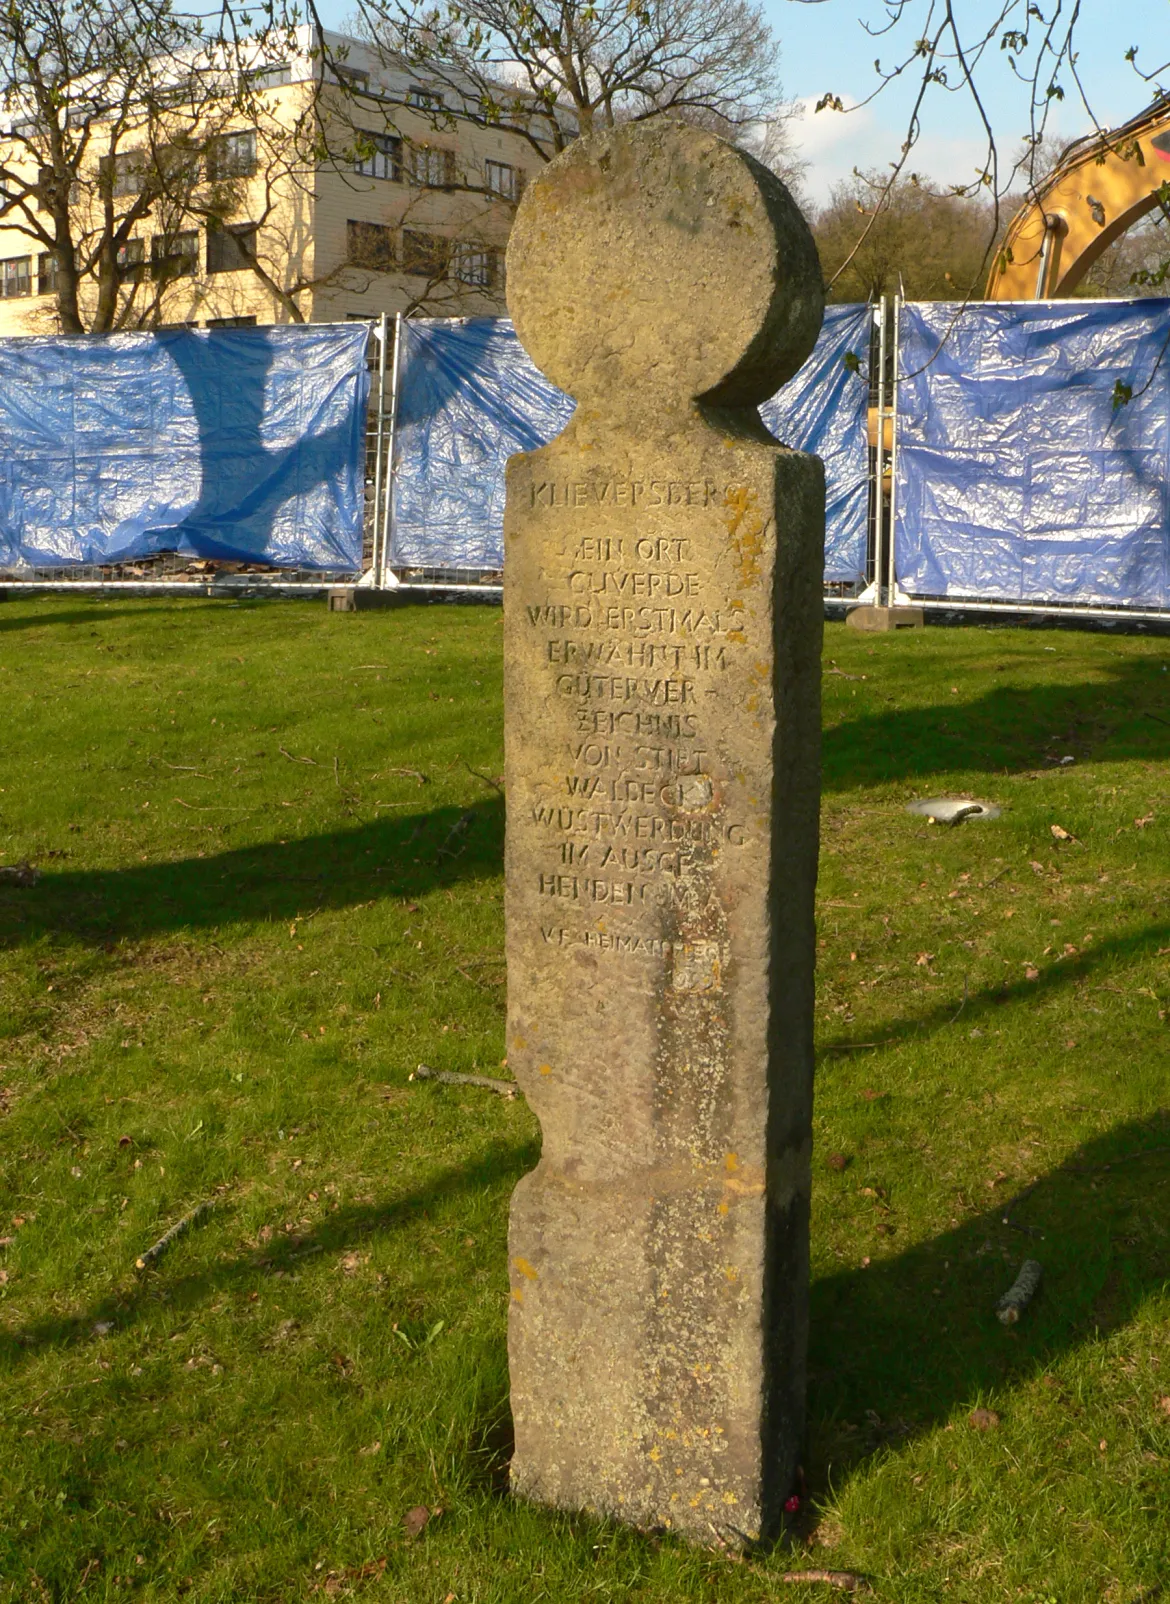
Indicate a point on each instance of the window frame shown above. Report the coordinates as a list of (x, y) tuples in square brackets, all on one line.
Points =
[(357, 229), (386, 146), (423, 157), (510, 192), (464, 250), (219, 167), (160, 271), (238, 232), (10, 282)]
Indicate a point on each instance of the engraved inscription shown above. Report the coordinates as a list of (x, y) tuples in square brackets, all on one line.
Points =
[(636, 627), (610, 493)]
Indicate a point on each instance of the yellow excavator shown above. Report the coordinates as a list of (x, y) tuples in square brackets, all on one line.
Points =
[(1100, 187)]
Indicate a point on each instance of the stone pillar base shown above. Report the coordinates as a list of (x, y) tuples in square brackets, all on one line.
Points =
[(876, 620)]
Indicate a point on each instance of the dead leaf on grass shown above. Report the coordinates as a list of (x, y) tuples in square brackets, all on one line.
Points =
[(1031, 972), (342, 1581), (923, 959), (351, 1263), (416, 1519), (371, 1449), (1147, 818), (1060, 833), (983, 1419), (1164, 1404)]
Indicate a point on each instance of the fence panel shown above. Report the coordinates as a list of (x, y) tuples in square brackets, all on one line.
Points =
[(470, 397), (1018, 478), (238, 444)]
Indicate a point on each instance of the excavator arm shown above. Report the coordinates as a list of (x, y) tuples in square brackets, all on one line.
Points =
[(1100, 187)]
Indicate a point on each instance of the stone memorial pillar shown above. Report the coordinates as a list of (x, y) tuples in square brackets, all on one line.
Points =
[(662, 620)]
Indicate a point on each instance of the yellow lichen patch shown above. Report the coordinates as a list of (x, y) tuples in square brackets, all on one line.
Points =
[(546, 1069), (731, 1163), (518, 1294), (525, 1269)]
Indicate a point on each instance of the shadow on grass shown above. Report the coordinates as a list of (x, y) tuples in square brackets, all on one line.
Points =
[(97, 611), (898, 1346), (399, 856), (1011, 728), (982, 1005), (499, 1169)]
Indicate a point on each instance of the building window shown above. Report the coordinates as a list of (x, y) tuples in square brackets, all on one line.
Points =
[(424, 99), (15, 277), (379, 156), (425, 254), (267, 78), (232, 155), (47, 273), (474, 265), (125, 171), (502, 180), (351, 77), (174, 255), (370, 245), (229, 249), (431, 166), (131, 256), (231, 323)]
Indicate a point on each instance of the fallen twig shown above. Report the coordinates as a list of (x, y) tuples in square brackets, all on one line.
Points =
[(962, 1005), (457, 829), (19, 874), (198, 1213), (486, 778), (294, 759), (1020, 1294), (848, 1581), (409, 774), (843, 675), (184, 768), (855, 1046), (1027, 1230), (449, 1077)]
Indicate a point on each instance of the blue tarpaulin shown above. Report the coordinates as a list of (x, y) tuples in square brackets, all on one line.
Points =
[(246, 444), (469, 397), (1018, 478), (822, 409)]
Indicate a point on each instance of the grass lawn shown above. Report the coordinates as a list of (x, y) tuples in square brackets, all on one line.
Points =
[(270, 887)]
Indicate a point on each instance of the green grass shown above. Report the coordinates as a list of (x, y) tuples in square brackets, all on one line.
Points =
[(232, 962)]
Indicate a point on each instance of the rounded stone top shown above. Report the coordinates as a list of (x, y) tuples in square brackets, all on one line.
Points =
[(655, 259)]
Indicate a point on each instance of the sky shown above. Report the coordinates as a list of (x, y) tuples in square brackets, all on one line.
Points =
[(826, 49)]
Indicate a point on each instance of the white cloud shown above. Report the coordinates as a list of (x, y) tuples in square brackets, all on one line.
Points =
[(833, 143)]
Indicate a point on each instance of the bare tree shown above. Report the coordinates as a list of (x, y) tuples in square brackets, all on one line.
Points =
[(556, 68), (117, 114)]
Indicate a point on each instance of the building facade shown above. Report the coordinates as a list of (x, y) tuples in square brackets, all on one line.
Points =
[(339, 185)]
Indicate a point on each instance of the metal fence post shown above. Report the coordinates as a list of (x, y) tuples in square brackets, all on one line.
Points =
[(379, 442), (880, 462), (386, 580), (891, 562)]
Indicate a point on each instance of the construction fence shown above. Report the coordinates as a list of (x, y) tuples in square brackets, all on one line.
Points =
[(987, 455)]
